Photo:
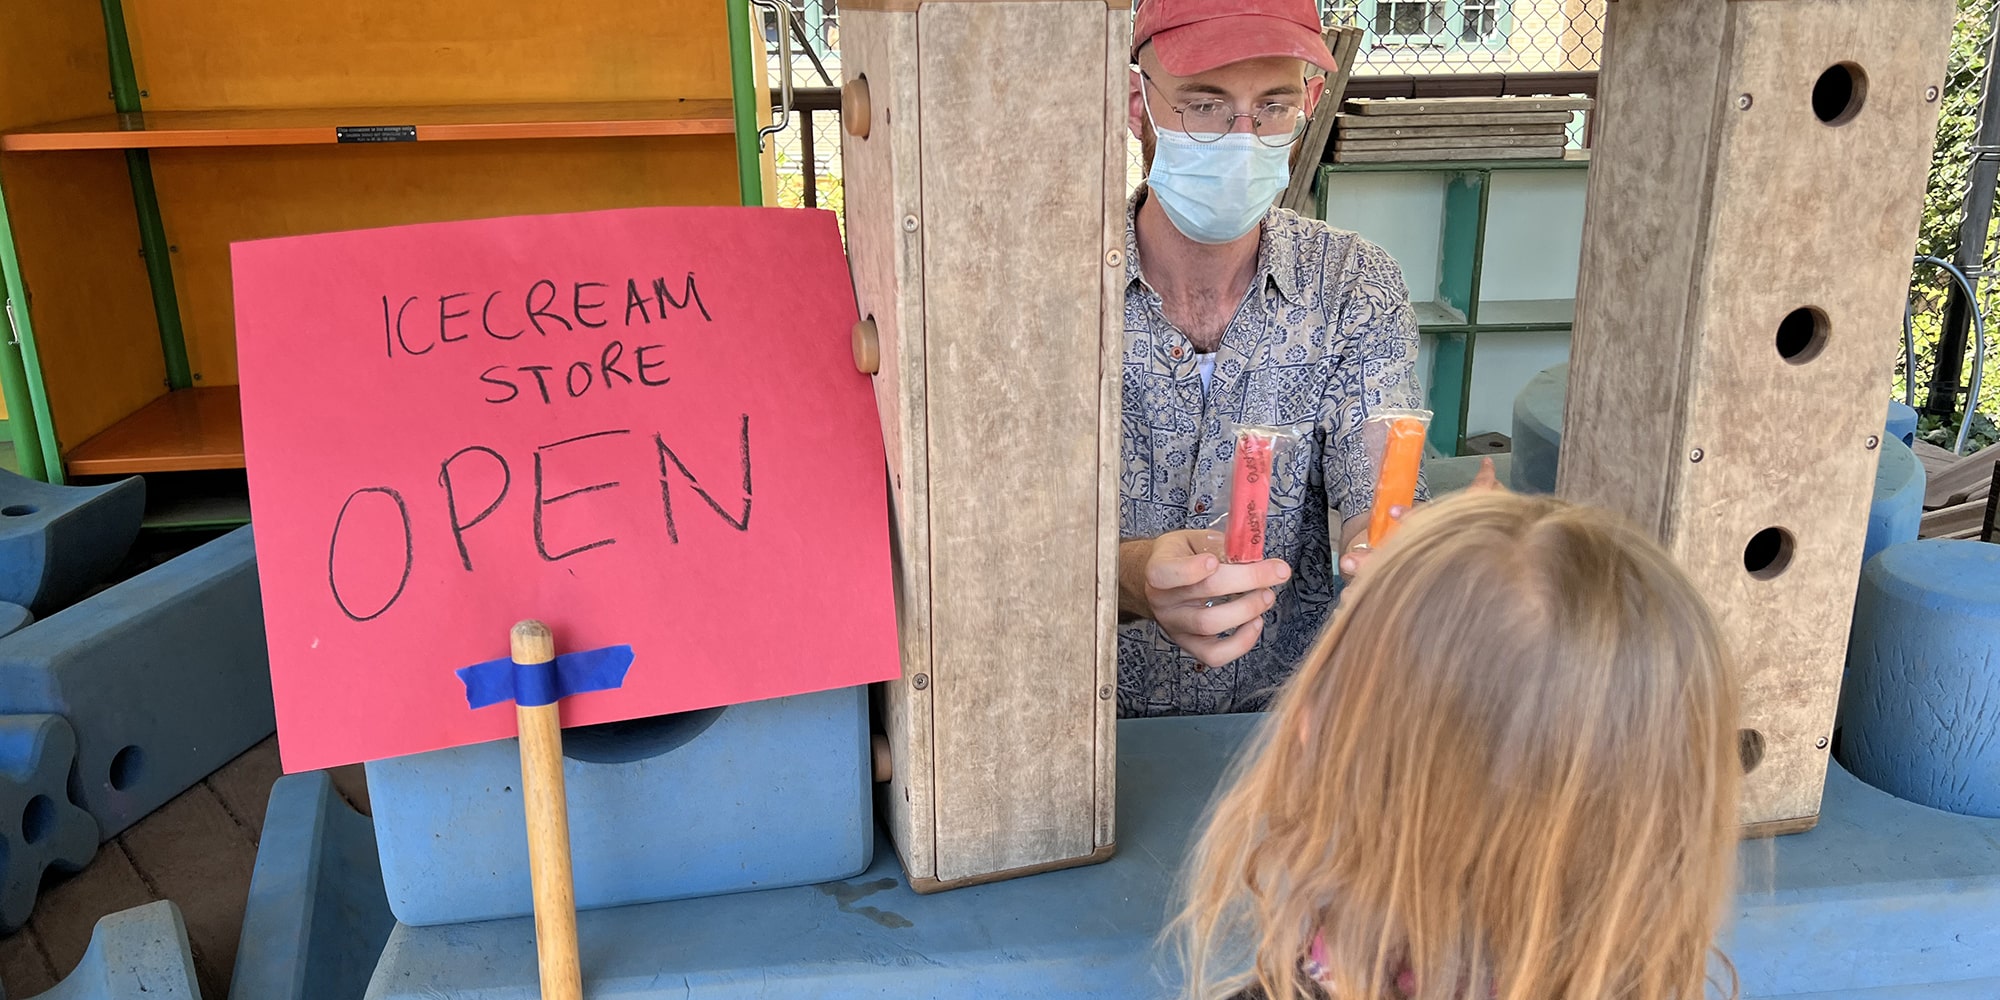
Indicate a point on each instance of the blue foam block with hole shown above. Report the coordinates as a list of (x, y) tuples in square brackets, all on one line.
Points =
[(1917, 709), (316, 918), (136, 954), (1902, 423), (58, 541), (165, 677), (769, 793), (1898, 508), (1538, 421), (40, 828), (1882, 899)]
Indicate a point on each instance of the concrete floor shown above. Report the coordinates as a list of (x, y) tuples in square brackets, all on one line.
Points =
[(198, 850)]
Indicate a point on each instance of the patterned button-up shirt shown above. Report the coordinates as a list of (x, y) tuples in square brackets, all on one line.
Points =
[(1324, 337)]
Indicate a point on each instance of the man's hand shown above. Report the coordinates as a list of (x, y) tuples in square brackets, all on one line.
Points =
[(1354, 550), (1180, 581)]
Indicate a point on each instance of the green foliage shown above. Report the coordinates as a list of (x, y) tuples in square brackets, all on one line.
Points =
[(1944, 198), (1944, 433)]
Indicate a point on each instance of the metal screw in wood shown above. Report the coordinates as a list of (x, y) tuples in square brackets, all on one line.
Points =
[(921, 681), (909, 223), (1873, 442), (1743, 102), (1695, 455)]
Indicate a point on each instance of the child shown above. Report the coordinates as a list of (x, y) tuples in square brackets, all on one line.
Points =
[(1508, 769)]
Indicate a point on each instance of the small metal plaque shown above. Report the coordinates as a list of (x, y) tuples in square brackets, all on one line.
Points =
[(375, 133)]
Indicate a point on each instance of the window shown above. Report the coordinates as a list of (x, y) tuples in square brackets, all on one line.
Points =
[(1340, 12), (1409, 18), (1481, 20)]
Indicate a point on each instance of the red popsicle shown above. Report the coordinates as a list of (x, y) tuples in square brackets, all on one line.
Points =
[(1249, 496)]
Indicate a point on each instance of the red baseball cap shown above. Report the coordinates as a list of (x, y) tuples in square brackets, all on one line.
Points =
[(1195, 36)]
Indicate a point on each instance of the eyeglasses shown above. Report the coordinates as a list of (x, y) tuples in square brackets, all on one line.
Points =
[(1208, 119)]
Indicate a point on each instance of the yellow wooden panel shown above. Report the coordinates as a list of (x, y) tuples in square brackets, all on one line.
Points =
[(53, 64), (260, 54), (211, 198), (86, 284)]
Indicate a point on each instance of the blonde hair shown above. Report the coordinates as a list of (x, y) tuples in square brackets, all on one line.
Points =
[(1510, 766)]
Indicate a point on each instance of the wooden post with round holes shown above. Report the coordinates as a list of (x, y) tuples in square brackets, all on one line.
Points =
[(543, 797), (1755, 189), (1004, 489)]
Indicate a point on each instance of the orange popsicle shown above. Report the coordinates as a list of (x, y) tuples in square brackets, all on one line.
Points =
[(1397, 484)]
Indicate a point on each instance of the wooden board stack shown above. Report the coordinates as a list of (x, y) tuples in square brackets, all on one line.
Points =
[(1399, 130), (1955, 490)]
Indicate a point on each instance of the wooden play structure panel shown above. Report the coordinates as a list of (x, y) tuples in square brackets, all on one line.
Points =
[(987, 240), (1735, 319)]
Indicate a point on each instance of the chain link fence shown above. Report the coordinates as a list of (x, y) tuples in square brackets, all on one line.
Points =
[(1402, 38), (1419, 37)]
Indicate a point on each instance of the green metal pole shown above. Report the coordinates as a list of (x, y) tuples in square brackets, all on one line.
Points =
[(34, 434), (159, 270), (124, 78), (146, 203), (743, 88)]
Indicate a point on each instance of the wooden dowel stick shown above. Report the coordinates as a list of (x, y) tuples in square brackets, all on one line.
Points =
[(548, 827)]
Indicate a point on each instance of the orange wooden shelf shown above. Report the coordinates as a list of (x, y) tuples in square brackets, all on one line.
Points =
[(183, 431), (315, 126)]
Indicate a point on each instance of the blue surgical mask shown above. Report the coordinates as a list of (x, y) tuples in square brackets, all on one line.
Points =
[(1216, 192)]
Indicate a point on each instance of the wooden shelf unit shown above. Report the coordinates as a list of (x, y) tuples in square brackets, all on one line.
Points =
[(186, 430), (326, 126), (233, 120), (1437, 219)]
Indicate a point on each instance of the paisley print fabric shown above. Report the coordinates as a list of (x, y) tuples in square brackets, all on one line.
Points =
[(1325, 336)]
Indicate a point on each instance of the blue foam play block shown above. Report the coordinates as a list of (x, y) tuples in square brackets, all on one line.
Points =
[(1538, 421), (1898, 508), (769, 793), (1883, 899), (165, 677), (40, 829), (136, 954), (1916, 708), (316, 917), (14, 618), (1902, 426), (58, 541)]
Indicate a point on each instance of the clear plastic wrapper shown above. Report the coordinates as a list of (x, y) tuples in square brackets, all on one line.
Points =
[(1395, 442), (1260, 451)]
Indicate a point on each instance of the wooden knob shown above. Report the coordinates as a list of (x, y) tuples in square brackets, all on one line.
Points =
[(854, 107), (867, 348), (884, 768)]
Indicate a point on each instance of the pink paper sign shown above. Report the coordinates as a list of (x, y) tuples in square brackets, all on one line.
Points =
[(643, 427)]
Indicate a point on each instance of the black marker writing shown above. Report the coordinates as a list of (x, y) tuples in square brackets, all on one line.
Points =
[(740, 522), (333, 550), (458, 530), (542, 501)]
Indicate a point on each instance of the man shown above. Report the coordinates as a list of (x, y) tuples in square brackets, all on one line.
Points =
[(1239, 313)]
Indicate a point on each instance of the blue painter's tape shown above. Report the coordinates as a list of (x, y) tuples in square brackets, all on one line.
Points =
[(495, 681), (537, 683)]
